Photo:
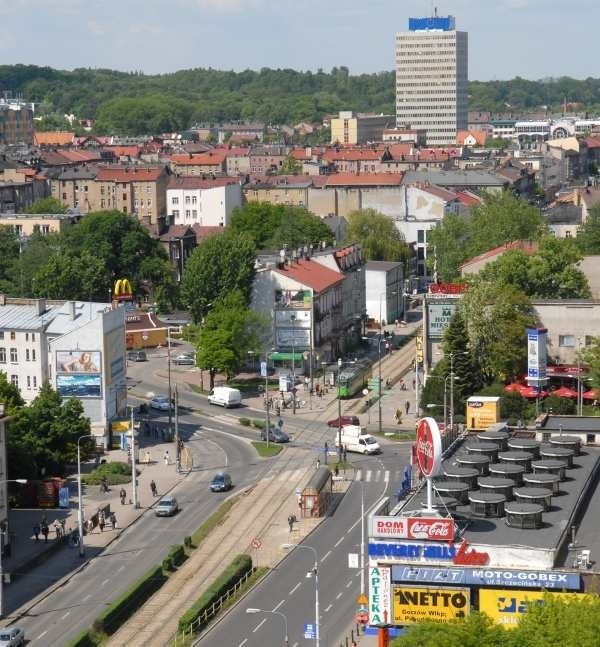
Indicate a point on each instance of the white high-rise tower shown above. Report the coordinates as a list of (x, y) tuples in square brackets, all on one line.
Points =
[(432, 62)]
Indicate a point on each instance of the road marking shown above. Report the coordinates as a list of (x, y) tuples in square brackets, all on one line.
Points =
[(338, 596), (328, 608), (294, 589), (87, 597), (106, 581), (259, 625), (358, 475), (42, 635), (243, 642), (369, 473), (326, 555), (339, 541), (66, 614), (295, 645), (386, 476), (121, 568), (349, 584), (277, 607)]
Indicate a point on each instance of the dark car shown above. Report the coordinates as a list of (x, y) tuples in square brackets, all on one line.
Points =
[(345, 420), (275, 436), (221, 482), (137, 356)]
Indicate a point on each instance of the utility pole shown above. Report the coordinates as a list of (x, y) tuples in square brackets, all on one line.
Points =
[(177, 441), (133, 470)]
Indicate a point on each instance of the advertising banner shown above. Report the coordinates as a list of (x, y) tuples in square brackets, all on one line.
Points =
[(380, 595), (428, 447), (431, 528), (417, 603), (77, 361), (507, 607), (79, 385), (482, 411), (536, 355), (298, 338), (438, 318)]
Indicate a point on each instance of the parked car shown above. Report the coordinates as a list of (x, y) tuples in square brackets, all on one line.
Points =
[(345, 420), (137, 356), (185, 358), (225, 396), (160, 402), (275, 435), (12, 636), (166, 507), (221, 482)]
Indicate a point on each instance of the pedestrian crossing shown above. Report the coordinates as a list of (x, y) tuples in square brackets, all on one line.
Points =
[(378, 476)]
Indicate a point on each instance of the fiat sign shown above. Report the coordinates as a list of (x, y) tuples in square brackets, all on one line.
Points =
[(430, 528), (428, 447)]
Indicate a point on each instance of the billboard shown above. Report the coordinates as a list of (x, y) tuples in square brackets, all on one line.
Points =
[(438, 317), (431, 528), (506, 607), (482, 411), (290, 337), (77, 361), (428, 447), (536, 356), (417, 603), (114, 356), (79, 385), (380, 595)]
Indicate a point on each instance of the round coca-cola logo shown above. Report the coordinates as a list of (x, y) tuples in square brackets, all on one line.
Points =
[(428, 447)]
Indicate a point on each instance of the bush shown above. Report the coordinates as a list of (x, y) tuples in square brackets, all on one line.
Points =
[(116, 473), (187, 541), (241, 565), (85, 639), (113, 468), (259, 424), (177, 555), (244, 421), (129, 602)]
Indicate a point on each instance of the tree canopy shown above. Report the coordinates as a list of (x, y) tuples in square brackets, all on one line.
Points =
[(378, 236), (46, 205), (588, 236)]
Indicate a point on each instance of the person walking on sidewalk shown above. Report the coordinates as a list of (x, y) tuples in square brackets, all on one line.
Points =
[(407, 406), (166, 457), (291, 520), (153, 487), (101, 521), (122, 496), (36, 531), (113, 521), (45, 531)]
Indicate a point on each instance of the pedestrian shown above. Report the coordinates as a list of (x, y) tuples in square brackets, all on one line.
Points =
[(345, 453), (36, 531), (398, 416), (414, 383), (336, 471), (318, 463), (407, 406), (101, 520), (62, 527), (113, 521), (277, 408), (147, 458), (123, 496), (291, 520), (318, 390), (56, 526), (166, 457), (45, 531), (388, 382), (153, 487), (326, 448)]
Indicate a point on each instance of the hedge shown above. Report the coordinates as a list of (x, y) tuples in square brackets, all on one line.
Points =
[(129, 602), (244, 421), (241, 565), (85, 639), (174, 558)]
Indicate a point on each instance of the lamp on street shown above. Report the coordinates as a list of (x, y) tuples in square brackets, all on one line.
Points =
[(136, 504), (315, 573), (277, 613), (22, 482), (79, 496), (339, 362), (382, 294), (293, 320)]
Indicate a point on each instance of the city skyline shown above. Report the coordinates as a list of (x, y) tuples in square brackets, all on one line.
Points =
[(506, 39)]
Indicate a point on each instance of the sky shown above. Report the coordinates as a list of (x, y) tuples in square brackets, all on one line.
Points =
[(533, 39)]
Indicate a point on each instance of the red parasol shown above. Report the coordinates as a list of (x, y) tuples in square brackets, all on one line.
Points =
[(565, 392), (532, 392), (592, 394), (516, 387)]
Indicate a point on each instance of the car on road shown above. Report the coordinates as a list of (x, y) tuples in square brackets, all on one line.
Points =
[(166, 507), (12, 636), (160, 402), (275, 436), (345, 420), (221, 482), (137, 356), (185, 359)]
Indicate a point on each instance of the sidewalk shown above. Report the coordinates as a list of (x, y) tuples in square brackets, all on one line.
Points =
[(28, 555)]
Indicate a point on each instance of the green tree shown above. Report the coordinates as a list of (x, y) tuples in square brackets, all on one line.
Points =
[(10, 395), (591, 356), (447, 247), (379, 237), (588, 235), (9, 259), (230, 330), (46, 205), (42, 438), (220, 264), (560, 406), (290, 166)]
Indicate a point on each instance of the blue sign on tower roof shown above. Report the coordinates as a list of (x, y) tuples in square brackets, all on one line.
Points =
[(439, 23)]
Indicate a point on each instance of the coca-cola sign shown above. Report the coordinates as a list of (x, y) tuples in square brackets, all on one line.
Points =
[(428, 447), (422, 528)]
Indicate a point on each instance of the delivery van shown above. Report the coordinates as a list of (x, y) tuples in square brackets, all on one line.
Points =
[(355, 439), (225, 396)]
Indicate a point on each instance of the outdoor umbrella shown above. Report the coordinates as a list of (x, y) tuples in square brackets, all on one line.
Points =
[(532, 392), (515, 386), (565, 392), (592, 394)]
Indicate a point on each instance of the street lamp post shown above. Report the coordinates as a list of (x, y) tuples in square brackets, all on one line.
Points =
[(286, 641), (315, 572), (22, 481), (362, 537), (382, 294), (452, 385), (169, 373), (339, 363), (79, 496), (293, 320), (136, 505)]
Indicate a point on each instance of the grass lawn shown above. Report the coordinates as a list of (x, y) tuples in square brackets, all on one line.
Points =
[(261, 447)]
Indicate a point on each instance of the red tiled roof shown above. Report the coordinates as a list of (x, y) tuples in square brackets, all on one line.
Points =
[(480, 136), (176, 231), (526, 246), (200, 159), (54, 158), (235, 151), (129, 175), (399, 149), (203, 232), (449, 196), (351, 155), (123, 151), (81, 156), (372, 179), (468, 198), (312, 274), (53, 138)]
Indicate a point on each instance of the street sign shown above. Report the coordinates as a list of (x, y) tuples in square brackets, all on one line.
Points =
[(310, 631), (263, 369), (362, 617), (362, 600), (256, 543), (365, 391), (352, 560)]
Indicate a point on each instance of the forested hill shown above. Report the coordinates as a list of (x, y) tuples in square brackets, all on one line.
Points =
[(173, 101)]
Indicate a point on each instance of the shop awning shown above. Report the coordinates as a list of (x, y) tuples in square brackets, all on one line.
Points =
[(286, 357)]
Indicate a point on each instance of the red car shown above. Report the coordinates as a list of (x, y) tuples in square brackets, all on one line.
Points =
[(345, 420)]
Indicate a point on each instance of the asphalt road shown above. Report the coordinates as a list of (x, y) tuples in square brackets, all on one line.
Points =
[(289, 591)]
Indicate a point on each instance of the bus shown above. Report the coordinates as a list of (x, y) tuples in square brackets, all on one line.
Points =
[(354, 378)]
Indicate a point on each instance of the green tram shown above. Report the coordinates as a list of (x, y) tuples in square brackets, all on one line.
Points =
[(354, 378)]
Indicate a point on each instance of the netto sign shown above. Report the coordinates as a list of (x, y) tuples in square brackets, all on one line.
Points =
[(428, 447), (414, 603)]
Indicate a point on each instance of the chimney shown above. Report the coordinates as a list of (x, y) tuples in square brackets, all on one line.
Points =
[(72, 310), (41, 306)]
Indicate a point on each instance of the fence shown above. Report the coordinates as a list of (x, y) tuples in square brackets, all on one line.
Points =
[(181, 639)]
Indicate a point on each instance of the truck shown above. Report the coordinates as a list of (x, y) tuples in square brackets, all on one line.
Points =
[(225, 396), (356, 439)]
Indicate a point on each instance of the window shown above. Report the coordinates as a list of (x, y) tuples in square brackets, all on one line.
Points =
[(187, 199), (1, 334), (194, 214), (14, 380), (33, 354), (566, 341), (32, 336), (420, 236), (175, 201), (13, 335), (194, 199), (26, 336), (175, 213), (34, 382), (124, 196), (102, 190), (13, 355), (27, 354), (28, 382), (187, 214), (102, 203), (45, 229), (2, 355), (149, 202), (589, 340)]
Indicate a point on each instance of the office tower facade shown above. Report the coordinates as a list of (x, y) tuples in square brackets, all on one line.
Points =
[(432, 64)]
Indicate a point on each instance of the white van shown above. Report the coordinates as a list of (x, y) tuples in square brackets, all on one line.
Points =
[(225, 396), (354, 439)]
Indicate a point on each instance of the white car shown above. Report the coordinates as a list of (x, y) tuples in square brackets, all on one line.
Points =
[(166, 507), (12, 636), (160, 402)]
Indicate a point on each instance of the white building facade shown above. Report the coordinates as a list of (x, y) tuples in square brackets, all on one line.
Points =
[(432, 78), (208, 203)]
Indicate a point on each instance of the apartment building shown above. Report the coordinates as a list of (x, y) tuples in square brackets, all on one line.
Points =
[(432, 78), (16, 122), (199, 164), (348, 128), (26, 224)]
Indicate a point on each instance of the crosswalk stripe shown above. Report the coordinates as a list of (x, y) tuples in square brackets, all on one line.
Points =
[(369, 473), (359, 475), (386, 476)]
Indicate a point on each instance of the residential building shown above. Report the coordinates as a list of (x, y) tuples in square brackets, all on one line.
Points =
[(348, 128), (239, 132), (406, 135), (384, 285), (208, 203), (237, 161), (432, 78), (179, 242), (53, 138), (279, 189), (4, 536), (199, 164), (477, 263), (26, 224), (266, 159), (471, 138), (503, 128), (74, 187), (16, 122), (17, 196)]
